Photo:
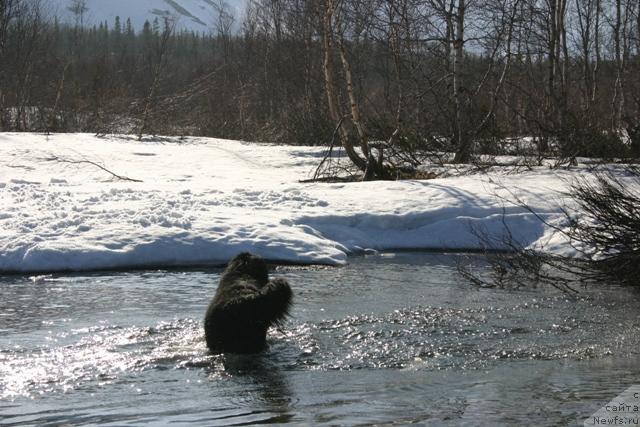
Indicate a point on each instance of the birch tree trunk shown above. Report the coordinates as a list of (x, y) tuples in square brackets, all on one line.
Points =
[(366, 163), (463, 151), (330, 85)]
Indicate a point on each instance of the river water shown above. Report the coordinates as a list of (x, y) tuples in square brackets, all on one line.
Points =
[(389, 339)]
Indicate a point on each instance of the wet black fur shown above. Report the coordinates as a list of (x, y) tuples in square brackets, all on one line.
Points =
[(245, 305)]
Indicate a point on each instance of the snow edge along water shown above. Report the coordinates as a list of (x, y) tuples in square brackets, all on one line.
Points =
[(203, 200)]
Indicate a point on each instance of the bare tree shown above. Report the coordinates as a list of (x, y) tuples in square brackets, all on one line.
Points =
[(78, 8), (224, 21), (328, 12), (162, 49), (8, 11), (334, 38)]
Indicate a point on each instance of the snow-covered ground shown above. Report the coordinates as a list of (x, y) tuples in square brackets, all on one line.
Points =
[(201, 201)]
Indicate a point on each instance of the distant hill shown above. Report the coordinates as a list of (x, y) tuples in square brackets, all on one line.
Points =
[(196, 15)]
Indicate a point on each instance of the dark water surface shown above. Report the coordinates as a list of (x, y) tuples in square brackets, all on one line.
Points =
[(389, 339)]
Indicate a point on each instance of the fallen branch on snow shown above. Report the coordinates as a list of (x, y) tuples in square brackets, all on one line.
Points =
[(99, 166)]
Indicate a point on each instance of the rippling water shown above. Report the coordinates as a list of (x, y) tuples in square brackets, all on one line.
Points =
[(389, 339)]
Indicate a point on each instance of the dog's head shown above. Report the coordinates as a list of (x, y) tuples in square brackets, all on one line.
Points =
[(251, 265)]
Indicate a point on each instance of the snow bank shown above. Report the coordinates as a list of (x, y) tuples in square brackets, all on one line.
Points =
[(201, 201)]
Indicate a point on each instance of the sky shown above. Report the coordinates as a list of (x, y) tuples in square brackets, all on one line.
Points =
[(196, 15)]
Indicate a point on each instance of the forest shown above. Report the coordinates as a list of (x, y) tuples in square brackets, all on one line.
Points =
[(465, 77)]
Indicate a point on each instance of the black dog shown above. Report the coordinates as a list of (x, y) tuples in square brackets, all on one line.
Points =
[(245, 305)]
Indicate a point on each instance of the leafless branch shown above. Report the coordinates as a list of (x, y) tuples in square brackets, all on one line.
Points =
[(58, 159)]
